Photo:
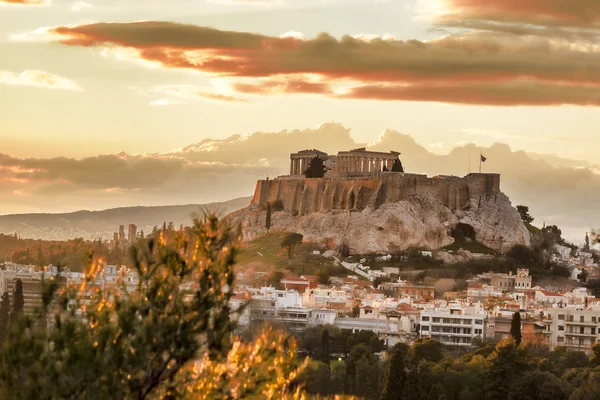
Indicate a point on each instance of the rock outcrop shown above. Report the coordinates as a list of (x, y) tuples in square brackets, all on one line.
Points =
[(422, 220)]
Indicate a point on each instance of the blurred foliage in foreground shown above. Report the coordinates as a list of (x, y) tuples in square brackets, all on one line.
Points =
[(169, 339)]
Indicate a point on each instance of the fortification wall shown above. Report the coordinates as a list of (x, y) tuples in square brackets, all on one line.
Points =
[(325, 194)]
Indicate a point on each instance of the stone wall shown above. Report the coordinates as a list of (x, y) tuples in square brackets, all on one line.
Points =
[(324, 194)]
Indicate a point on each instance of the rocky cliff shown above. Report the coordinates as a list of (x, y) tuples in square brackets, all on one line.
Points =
[(388, 213)]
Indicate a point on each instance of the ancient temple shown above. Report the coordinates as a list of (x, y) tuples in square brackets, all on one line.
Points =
[(357, 162)]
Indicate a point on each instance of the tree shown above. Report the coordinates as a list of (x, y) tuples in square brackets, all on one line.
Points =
[(18, 301), (316, 168), (4, 316), (268, 217), (425, 349), (277, 205), (586, 245), (171, 338), (524, 213), (323, 276), (290, 241), (595, 358), (396, 376), (537, 385), (515, 328), (397, 166), (325, 349)]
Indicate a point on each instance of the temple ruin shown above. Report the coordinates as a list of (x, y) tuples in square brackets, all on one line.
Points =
[(357, 162)]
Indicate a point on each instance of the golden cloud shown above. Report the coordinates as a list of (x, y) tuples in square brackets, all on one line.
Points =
[(39, 79), (497, 68)]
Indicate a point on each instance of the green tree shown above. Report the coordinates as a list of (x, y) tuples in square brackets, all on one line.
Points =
[(316, 168), (397, 166), (595, 358), (537, 385), (4, 316), (171, 338), (268, 217), (524, 213), (586, 245), (325, 346), (425, 349), (396, 376), (507, 364), (323, 276), (18, 301), (515, 328), (290, 241)]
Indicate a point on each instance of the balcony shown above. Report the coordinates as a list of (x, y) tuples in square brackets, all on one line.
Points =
[(578, 323), (593, 335)]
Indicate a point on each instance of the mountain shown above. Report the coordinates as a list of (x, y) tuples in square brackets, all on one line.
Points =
[(101, 224)]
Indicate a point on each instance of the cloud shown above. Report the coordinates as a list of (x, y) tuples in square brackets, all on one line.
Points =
[(580, 13), (80, 6), (39, 79), (219, 169), (182, 93), (27, 2), (476, 67)]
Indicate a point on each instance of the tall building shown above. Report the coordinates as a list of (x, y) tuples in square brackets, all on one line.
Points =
[(572, 328), (132, 233), (121, 233)]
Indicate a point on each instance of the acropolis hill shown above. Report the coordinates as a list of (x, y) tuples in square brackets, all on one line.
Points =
[(360, 202)]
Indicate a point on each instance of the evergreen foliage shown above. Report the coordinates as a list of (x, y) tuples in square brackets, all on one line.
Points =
[(291, 241), (396, 376), (4, 316), (268, 217), (316, 168), (515, 328), (397, 166), (169, 339), (18, 301), (524, 213)]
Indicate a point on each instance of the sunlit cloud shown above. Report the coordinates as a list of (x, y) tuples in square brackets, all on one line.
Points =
[(38, 79), (80, 6), (26, 2), (472, 68)]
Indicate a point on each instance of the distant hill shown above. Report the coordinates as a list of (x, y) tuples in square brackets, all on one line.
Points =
[(101, 224)]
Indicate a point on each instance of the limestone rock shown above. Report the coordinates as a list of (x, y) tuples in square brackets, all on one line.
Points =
[(420, 221)]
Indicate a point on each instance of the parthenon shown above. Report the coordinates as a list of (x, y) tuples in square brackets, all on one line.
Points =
[(345, 163)]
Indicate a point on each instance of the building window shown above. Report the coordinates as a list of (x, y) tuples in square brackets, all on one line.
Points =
[(593, 331), (425, 318), (582, 319), (478, 322), (561, 327), (424, 328), (561, 317), (436, 319), (478, 331), (560, 340), (594, 319), (581, 330)]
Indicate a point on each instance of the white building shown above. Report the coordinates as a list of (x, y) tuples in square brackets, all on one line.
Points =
[(453, 326), (573, 328)]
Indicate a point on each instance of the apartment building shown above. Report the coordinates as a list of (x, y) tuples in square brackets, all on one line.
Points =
[(573, 328), (453, 326)]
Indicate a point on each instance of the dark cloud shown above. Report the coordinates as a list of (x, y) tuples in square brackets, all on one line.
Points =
[(558, 191), (495, 68), (579, 13)]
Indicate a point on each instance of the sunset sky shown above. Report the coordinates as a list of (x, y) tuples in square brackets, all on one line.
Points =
[(108, 103)]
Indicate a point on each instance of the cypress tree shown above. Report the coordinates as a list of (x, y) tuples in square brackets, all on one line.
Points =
[(268, 219), (396, 377), (18, 301), (4, 316), (515, 328)]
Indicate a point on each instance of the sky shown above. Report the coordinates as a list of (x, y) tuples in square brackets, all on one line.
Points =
[(108, 103)]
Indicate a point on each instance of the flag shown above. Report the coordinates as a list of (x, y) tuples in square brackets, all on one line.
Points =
[(483, 158)]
